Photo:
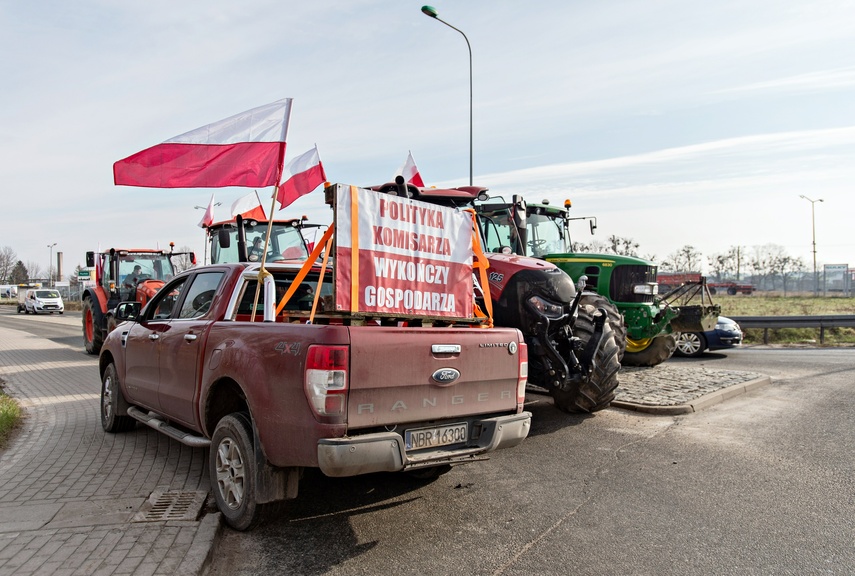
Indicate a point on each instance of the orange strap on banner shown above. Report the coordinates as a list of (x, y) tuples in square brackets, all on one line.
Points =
[(320, 281), (354, 249), (481, 263), (304, 270)]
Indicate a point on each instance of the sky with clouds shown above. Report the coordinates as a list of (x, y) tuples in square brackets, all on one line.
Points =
[(675, 123)]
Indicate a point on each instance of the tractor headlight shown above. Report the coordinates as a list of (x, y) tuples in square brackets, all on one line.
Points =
[(547, 308), (649, 289)]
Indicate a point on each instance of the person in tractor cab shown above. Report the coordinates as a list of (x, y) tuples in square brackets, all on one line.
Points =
[(130, 282), (256, 249)]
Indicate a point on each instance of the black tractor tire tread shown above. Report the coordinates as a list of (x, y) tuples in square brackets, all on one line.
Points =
[(599, 392), (615, 318), (660, 349), (93, 346)]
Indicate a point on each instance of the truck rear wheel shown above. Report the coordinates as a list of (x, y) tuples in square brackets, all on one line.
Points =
[(600, 390), (650, 352), (615, 318), (93, 336), (233, 471)]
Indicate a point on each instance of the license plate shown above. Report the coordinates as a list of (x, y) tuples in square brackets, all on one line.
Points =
[(421, 438)]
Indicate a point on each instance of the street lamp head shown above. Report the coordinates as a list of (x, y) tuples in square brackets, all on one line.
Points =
[(430, 11)]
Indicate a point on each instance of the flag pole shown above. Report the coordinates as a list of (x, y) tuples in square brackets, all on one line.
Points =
[(262, 272)]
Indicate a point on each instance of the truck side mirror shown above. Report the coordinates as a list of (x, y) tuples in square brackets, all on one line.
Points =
[(223, 238), (90, 259), (127, 311)]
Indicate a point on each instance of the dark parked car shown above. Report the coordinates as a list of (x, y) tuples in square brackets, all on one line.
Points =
[(726, 334)]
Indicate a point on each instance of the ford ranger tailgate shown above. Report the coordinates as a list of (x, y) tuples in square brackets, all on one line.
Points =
[(424, 374)]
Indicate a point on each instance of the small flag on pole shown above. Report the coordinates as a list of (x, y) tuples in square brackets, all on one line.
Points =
[(302, 175)]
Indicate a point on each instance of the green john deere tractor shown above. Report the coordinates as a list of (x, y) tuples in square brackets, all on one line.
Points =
[(643, 321)]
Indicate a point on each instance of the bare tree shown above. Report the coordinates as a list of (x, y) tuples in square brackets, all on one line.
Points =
[(182, 262), (7, 262), (686, 259), (787, 266), (34, 271), (612, 245), (623, 246)]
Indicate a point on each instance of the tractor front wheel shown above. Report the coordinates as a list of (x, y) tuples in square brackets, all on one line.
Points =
[(649, 351), (93, 336), (598, 392), (615, 318)]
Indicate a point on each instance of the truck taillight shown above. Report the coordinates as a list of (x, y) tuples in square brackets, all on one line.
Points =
[(326, 382), (523, 377)]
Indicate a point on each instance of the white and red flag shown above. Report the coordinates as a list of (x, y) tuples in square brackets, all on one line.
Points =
[(247, 150), (302, 175), (208, 217), (410, 172), (249, 206)]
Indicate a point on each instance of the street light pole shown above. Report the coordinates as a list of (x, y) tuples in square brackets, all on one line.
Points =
[(431, 11), (813, 236), (50, 264)]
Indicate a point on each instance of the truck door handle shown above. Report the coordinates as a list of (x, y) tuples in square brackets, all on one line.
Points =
[(153, 336), (189, 337)]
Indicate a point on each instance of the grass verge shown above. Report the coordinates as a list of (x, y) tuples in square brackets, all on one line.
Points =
[(10, 416)]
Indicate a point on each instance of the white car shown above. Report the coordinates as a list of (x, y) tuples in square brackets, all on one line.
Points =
[(43, 300)]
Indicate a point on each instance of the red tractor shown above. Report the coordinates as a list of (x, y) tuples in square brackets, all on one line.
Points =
[(122, 275)]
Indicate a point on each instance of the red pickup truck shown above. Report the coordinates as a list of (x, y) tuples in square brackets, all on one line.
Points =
[(208, 364)]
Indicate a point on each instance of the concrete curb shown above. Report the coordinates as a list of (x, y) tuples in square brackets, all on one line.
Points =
[(201, 549), (698, 404)]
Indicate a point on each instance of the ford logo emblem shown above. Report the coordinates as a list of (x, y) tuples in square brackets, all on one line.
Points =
[(445, 376)]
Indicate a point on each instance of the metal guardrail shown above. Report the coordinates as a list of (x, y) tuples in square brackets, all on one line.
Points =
[(772, 322)]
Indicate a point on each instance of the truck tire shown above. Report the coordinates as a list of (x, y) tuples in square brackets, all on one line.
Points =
[(615, 318), (597, 393), (655, 352), (93, 336), (114, 415), (233, 469), (731, 291)]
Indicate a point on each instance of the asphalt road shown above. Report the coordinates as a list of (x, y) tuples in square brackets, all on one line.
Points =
[(761, 484)]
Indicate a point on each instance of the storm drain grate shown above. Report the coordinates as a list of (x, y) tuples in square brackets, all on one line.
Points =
[(165, 505)]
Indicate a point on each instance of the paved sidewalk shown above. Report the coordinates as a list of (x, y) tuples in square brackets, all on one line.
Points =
[(72, 495)]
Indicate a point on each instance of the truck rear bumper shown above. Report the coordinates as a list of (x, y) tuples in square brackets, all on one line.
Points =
[(386, 452)]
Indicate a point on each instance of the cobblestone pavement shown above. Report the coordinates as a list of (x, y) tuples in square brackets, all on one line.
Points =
[(680, 388), (70, 492)]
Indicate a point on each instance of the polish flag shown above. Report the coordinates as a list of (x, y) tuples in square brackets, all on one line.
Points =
[(249, 206), (410, 172), (247, 150), (302, 175), (208, 218)]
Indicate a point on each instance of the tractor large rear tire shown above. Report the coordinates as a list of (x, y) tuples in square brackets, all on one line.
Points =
[(93, 336), (615, 318), (656, 352), (601, 389)]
